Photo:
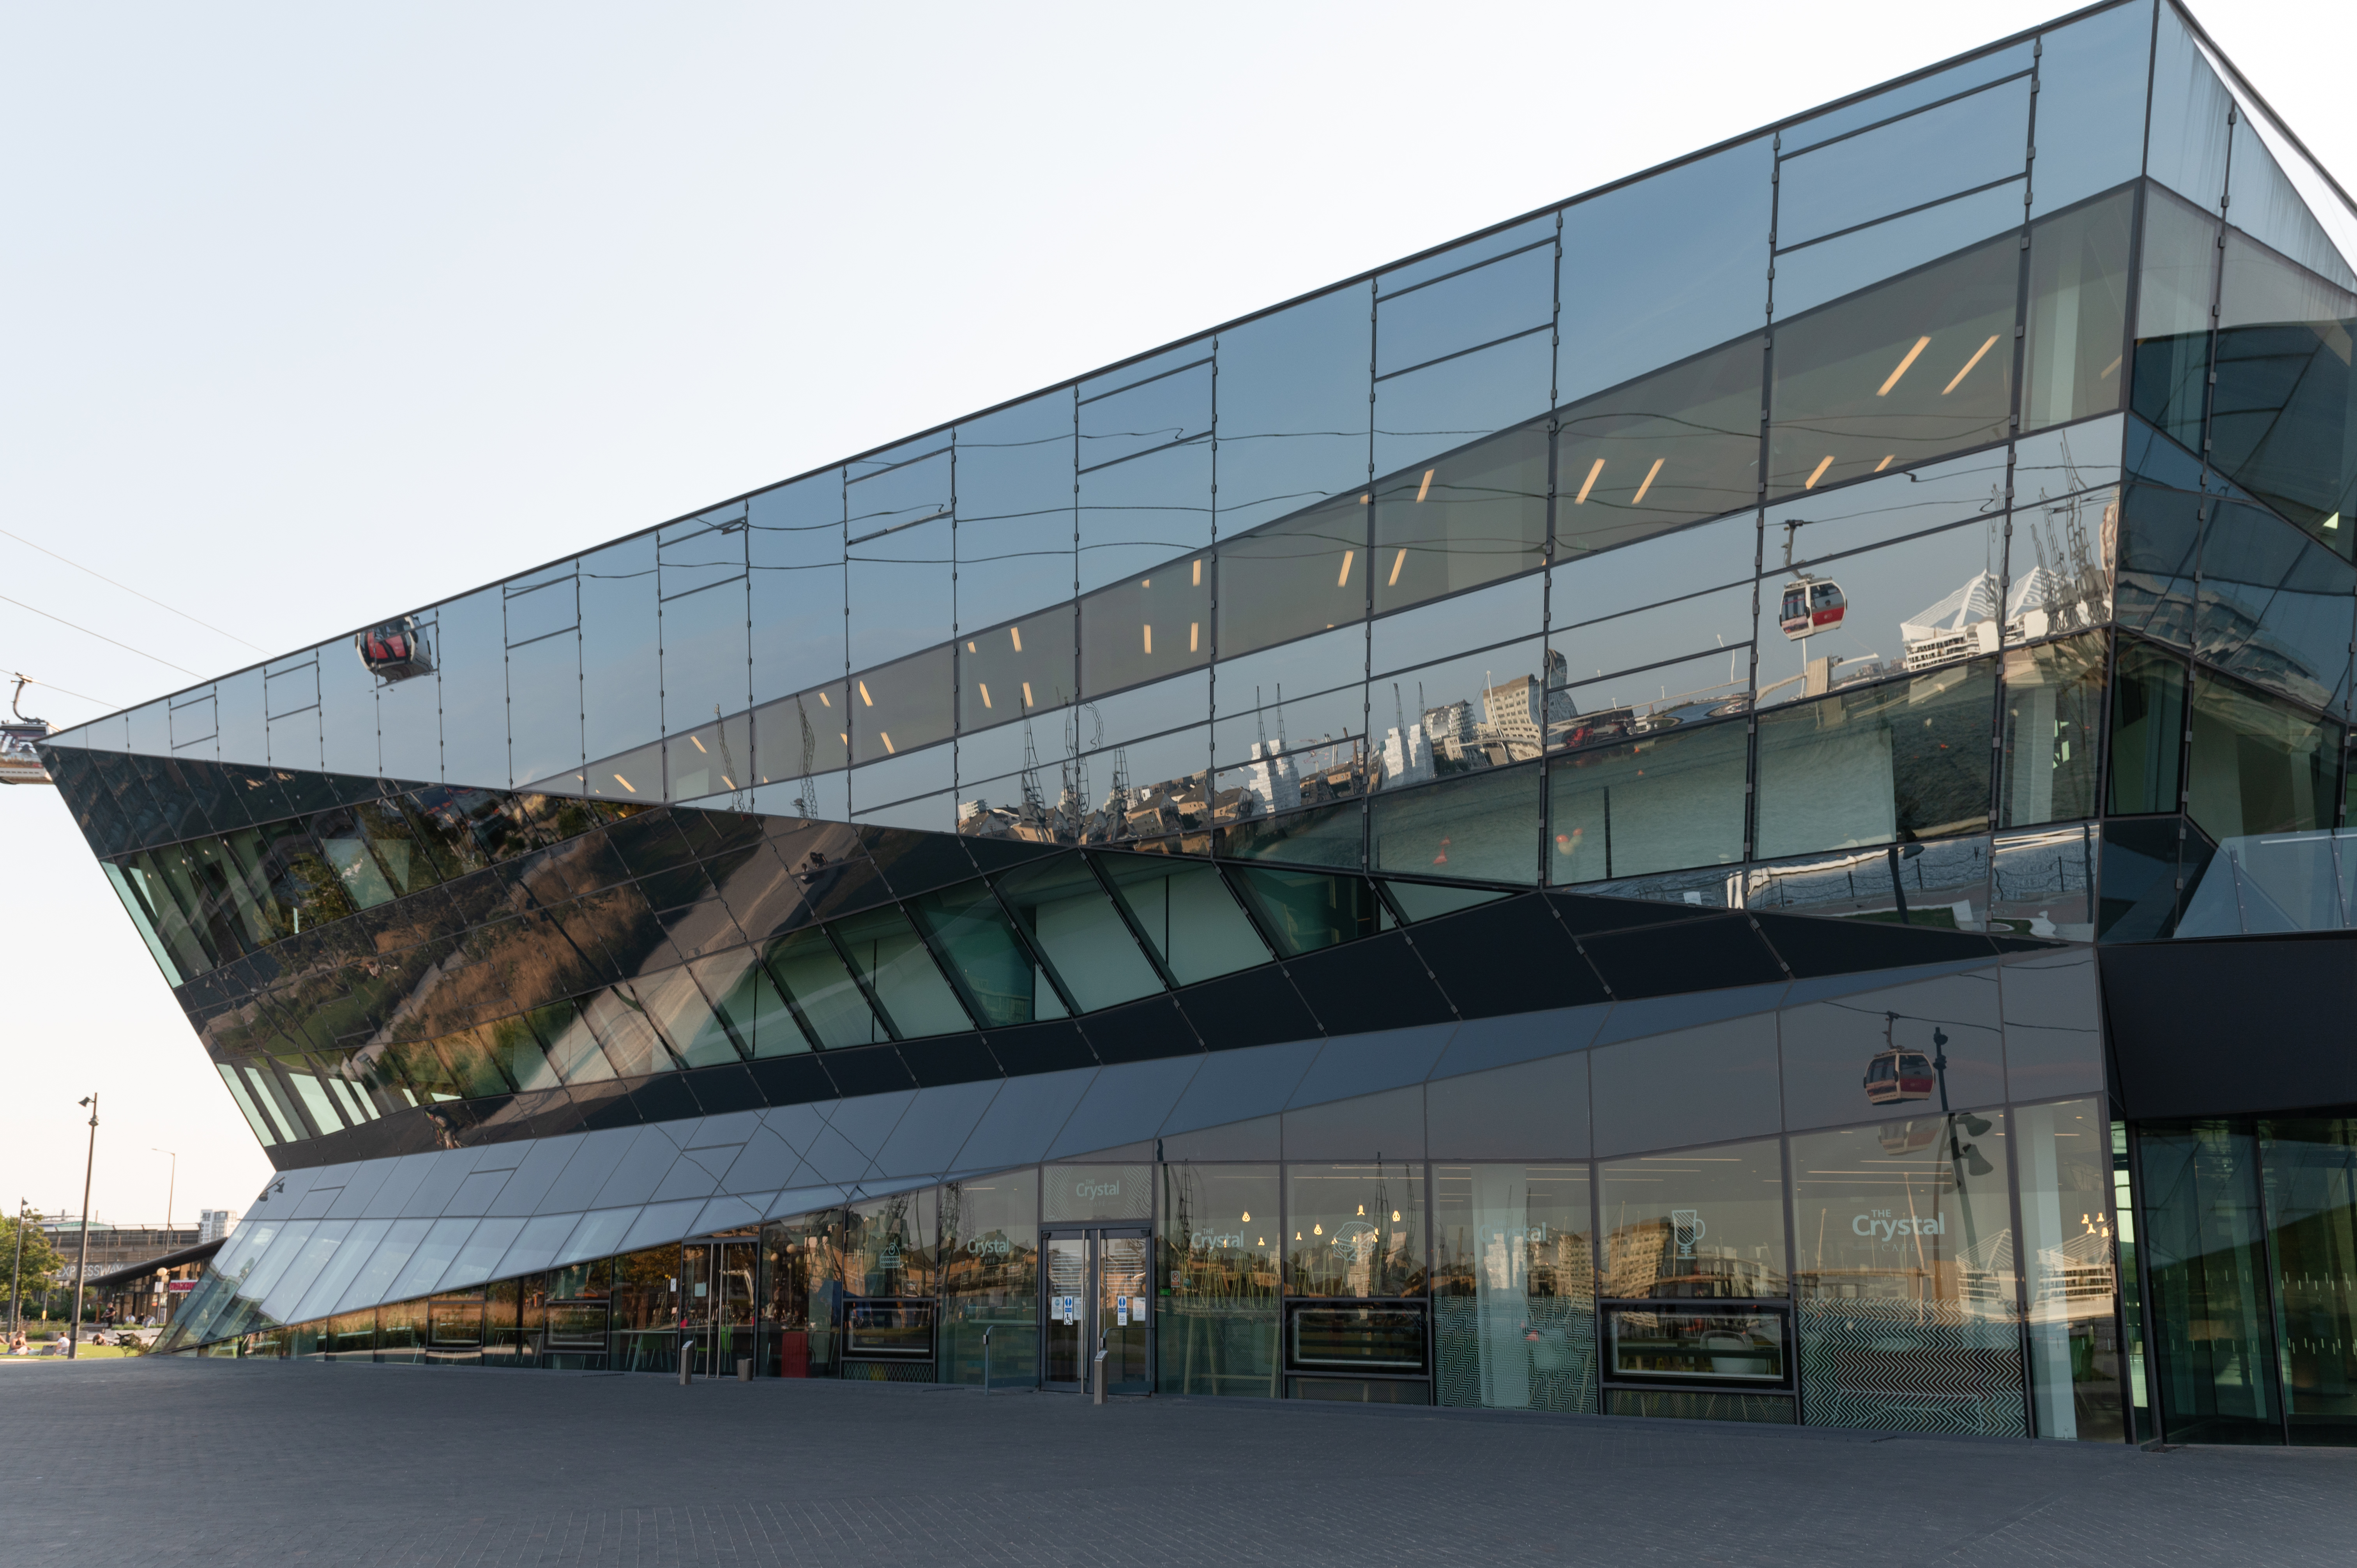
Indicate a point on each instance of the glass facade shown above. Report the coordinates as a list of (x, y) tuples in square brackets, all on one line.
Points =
[(745, 922)]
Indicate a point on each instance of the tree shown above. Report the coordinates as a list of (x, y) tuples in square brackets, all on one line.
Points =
[(42, 1260)]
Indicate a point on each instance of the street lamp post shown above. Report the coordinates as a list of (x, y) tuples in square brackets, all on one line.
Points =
[(171, 1188), (81, 1262), (15, 1276)]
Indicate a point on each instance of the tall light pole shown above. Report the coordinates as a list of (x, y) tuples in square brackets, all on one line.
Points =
[(171, 1187), (15, 1274), (81, 1262)]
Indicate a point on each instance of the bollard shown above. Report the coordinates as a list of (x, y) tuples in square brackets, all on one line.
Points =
[(743, 1369), (985, 1363), (686, 1361), (1100, 1370)]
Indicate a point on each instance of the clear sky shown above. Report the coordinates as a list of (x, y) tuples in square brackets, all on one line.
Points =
[(316, 314)]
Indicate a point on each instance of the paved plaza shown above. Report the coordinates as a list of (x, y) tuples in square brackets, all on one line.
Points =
[(166, 1462)]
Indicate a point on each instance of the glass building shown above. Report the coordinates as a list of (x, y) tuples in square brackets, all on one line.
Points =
[(1729, 799)]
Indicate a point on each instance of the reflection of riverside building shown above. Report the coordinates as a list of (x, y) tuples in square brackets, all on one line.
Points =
[(1588, 741)]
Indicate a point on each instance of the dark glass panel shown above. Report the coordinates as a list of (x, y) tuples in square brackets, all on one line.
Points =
[(1017, 671), (1484, 827), (801, 736), (900, 973), (1675, 446), (1663, 802), (2148, 729), (2174, 290), (1665, 267), (1188, 913), (472, 1069), (2161, 533), (1291, 578), (2311, 1209), (621, 662), (1466, 518), (2285, 417), (1015, 538), (346, 853), (795, 554), (2274, 607), (2053, 716), (1905, 372), (2258, 766), (2203, 1246), (1147, 626), (1933, 153), (1306, 911), (1064, 909), (1903, 760), (1001, 982), (810, 971), (712, 760), (682, 1015), (903, 706), (1293, 408), (2078, 312)]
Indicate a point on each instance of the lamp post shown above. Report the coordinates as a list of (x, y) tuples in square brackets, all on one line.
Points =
[(15, 1275), (82, 1261), (171, 1188)]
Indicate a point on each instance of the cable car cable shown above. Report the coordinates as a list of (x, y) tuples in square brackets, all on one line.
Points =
[(101, 636), (134, 592), (30, 681)]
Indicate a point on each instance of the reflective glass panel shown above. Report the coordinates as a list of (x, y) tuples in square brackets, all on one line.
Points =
[(1014, 523), (2286, 392), (893, 961), (1145, 473), (1188, 913), (1906, 1266), (621, 664), (1292, 578), (2078, 312), (1514, 1286), (1293, 408), (1661, 802), (810, 973), (1964, 142), (1483, 827), (1358, 1230), (794, 553), (1017, 671), (2178, 269), (2053, 716), (2257, 765), (1707, 1224), (1902, 373), (1065, 911), (1902, 759), (903, 706), (2090, 104), (1220, 1247), (1148, 627)]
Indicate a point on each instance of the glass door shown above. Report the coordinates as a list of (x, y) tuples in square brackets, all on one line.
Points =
[(1067, 1315), (733, 1305), (1097, 1289)]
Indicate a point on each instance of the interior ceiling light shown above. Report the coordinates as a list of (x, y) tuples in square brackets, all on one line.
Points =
[(1651, 475), (1589, 483), (1424, 489), (1967, 370), (1892, 380), (1817, 473)]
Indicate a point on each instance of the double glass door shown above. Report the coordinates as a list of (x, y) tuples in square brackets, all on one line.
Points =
[(717, 1304), (1098, 1285)]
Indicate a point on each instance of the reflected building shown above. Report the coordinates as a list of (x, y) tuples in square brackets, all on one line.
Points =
[(1856, 601)]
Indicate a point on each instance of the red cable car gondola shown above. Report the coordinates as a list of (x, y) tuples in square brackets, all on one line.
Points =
[(392, 652), (1896, 1075)]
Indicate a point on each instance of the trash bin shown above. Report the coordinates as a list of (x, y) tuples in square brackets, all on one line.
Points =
[(743, 1369)]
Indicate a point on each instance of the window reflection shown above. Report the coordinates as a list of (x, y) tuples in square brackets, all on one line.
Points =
[(1670, 449), (1904, 372), (1013, 671), (1147, 626), (1708, 1223), (1296, 577), (1906, 758)]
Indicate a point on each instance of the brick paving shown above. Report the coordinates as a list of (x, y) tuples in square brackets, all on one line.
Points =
[(166, 1462)]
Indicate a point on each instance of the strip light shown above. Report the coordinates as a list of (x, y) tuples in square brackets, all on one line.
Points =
[(1344, 580), (1817, 473), (1967, 370), (1651, 475), (1398, 561), (1892, 380), (1424, 489), (1588, 484)]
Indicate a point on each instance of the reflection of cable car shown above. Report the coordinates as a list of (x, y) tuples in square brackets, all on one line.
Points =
[(19, 762), (1811, 605), (1897, 1075), (1898, 1138), (394, 651)]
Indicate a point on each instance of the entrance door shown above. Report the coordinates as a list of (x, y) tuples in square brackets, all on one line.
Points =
[(1096, 1285), (715, 1279)]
